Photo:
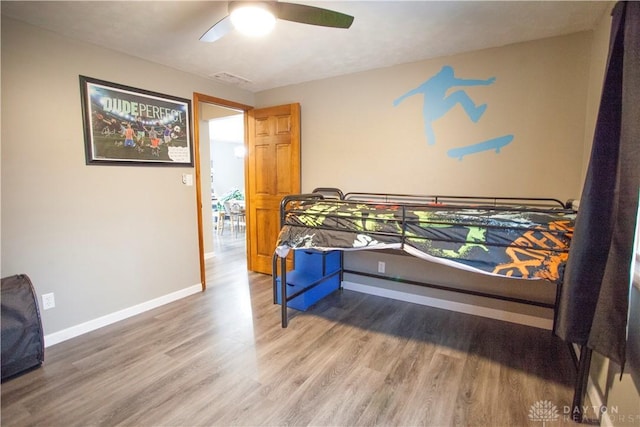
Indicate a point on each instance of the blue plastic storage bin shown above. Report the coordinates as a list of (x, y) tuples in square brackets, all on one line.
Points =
[(310, 267)]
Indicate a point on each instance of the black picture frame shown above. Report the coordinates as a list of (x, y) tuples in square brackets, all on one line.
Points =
[(124, 125)]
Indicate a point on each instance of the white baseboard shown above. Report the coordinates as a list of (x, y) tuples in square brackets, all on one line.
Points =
[(91, 325), (209, 255), (523, 319)]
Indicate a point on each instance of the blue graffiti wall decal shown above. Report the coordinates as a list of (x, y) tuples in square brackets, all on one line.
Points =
[(436, 103)]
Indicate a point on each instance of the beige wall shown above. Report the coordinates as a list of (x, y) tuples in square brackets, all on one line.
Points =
[(599, 53), (102, 238), (354, 138)]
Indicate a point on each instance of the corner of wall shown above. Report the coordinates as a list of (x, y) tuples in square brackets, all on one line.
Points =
[(597, 66)]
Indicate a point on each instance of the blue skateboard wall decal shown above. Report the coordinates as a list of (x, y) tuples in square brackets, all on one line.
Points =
[(491, 144), (437, 102)]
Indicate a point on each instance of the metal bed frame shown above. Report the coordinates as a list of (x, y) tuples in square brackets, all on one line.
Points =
[(581, 358)]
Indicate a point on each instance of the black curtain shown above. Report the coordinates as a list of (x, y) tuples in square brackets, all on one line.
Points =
[(595, 296)]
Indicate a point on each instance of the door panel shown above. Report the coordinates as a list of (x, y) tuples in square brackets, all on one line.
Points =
[(262, 126), (267, 222), (283, 125), (283, 162), (273, 172), (263, 181)]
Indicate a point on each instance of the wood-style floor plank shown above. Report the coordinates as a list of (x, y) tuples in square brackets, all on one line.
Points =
[(221, 358)]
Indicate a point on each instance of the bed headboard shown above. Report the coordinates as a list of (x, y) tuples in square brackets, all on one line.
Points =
[(456, 200)]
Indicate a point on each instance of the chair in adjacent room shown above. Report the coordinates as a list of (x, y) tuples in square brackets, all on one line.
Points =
[(234, 209)]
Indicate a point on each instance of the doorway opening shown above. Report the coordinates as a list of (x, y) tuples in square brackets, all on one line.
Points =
[(227, 152), (272, 170), (225, 178), (220, 177)]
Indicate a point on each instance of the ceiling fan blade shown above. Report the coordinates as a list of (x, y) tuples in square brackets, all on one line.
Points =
[(312, 15), (219, 30)]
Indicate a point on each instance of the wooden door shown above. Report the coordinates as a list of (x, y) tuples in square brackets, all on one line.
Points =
[(273, 171)]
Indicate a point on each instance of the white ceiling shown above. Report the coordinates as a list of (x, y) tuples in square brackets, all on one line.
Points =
[(384, 33)]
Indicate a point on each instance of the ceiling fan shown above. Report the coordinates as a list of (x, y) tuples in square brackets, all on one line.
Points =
[(258, 18)]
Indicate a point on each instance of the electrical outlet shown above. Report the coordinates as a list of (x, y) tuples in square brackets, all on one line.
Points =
[(48, 301), (381, 266)]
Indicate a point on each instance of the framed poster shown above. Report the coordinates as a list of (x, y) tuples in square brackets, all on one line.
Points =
[(128, 126)]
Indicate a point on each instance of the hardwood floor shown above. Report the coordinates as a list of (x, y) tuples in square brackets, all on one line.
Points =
[(221, 358)]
